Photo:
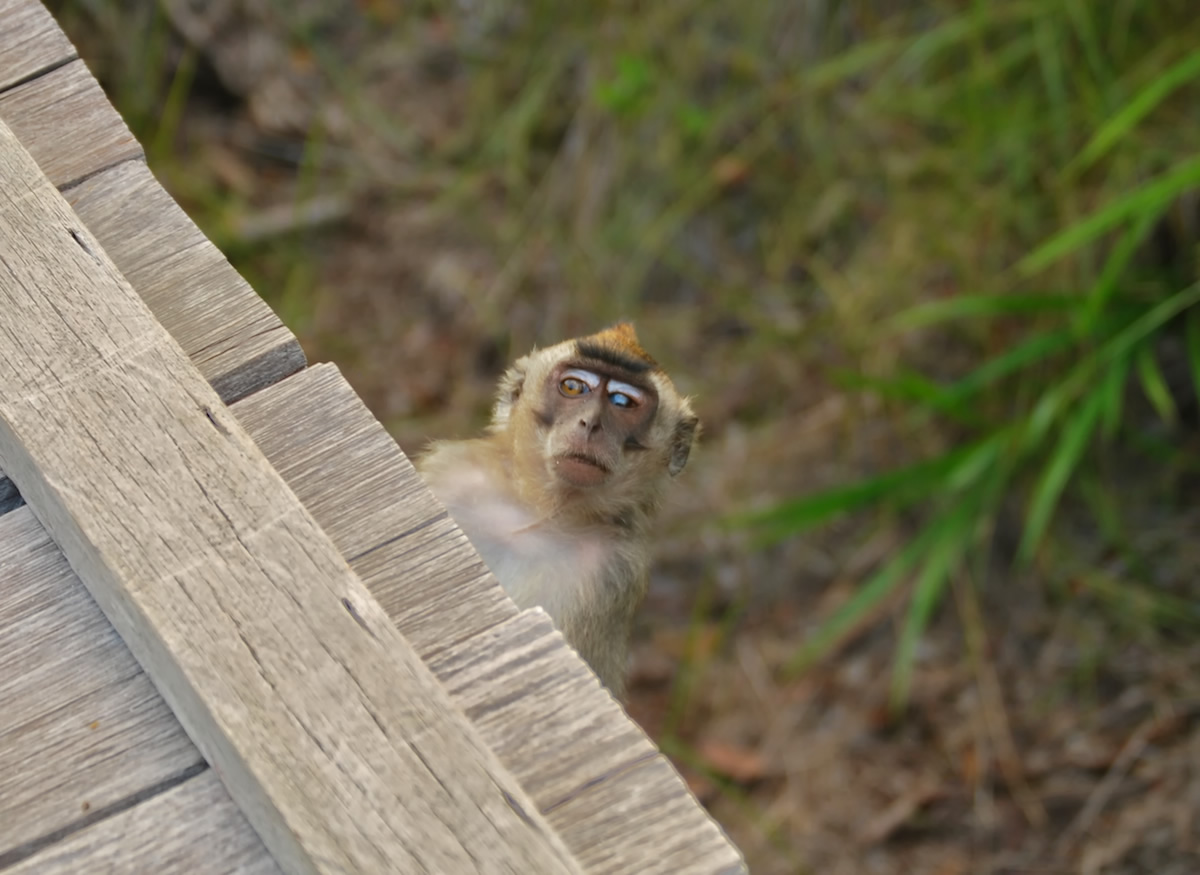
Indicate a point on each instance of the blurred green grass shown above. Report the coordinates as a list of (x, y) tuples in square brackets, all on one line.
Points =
[(982, 214)]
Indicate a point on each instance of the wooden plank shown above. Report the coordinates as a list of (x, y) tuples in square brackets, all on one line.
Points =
[(367, 497), (31, 43), (67, 124), (192, 828), (360, 488), (330, 734), (644, 820), (569, 745), (227, 330), (617, 802), (82, 729)]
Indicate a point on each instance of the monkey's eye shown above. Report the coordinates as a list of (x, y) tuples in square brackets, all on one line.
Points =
[(623, 395), (577, 381), (572, 386)]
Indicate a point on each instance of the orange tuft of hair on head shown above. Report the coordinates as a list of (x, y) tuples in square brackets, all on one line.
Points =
[(622, 339)]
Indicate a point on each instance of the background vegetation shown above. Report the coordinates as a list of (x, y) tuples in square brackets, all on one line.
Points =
[(927, 598)]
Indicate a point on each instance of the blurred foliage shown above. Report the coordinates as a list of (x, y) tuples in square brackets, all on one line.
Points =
[(1075, 116), (982, 213)]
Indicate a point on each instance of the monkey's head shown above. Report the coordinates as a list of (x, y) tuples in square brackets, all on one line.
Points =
[(602, 416)]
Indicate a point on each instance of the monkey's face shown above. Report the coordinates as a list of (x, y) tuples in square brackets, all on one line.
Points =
[(596, 415), (593, 416)]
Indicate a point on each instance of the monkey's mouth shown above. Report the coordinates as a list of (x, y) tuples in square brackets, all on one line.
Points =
[(579, 469)]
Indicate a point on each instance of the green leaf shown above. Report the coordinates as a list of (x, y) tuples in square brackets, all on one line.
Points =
[(626, 91), (927, 591), (898, 488), (1153, 383), (961, 30), (910, 387), (1034, 349), (877, 588), (981, 459), (1072, 444), (850, 64), (1116, 264), (1124, 341), (1127, 118), (981, 306), (1152, 196), (1113, 390)]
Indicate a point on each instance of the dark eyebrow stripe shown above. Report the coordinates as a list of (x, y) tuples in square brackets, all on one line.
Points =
[(613, 357)]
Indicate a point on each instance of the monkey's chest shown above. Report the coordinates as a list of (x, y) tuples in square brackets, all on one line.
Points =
[(559, 571)]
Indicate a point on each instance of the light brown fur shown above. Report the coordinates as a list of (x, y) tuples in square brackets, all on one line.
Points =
[(560, 495)]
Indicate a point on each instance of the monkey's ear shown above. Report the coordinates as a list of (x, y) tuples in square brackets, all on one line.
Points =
[(681, 443), (508, 391)]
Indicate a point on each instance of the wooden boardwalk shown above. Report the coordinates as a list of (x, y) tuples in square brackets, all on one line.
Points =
[(237, 633)]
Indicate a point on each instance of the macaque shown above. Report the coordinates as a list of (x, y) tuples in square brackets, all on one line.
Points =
[(559, 496)]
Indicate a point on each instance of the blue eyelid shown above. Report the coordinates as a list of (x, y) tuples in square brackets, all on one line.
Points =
[(631, 394)]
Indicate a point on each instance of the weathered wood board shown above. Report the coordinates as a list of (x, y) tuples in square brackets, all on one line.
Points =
[(272, 653), (593, 773), (159, 834), (31, 43), (67, 98), (230, 334), (367, 497), (82, 729)]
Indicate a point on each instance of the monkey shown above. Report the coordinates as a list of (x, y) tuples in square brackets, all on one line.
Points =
[(559, 495)]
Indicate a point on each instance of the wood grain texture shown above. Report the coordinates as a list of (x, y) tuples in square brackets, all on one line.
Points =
[(227, 330), (67, 660), (365, 494), (82, 729), (31, 43), (327, 729), (41, 112), (190, 829), (615, 800)]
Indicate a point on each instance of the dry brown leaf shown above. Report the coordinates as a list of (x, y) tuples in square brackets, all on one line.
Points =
[(743, 764)]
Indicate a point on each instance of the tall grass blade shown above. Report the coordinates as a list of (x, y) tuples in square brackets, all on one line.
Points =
[(1153, 196), (1116, 375), (1072, 444), (898, 489), (1116, 264), (981, 306), (1128, 117), (1154, 384), (869, 596), (1124, 341), (911, 388), (1035, 349), (927, 591)]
